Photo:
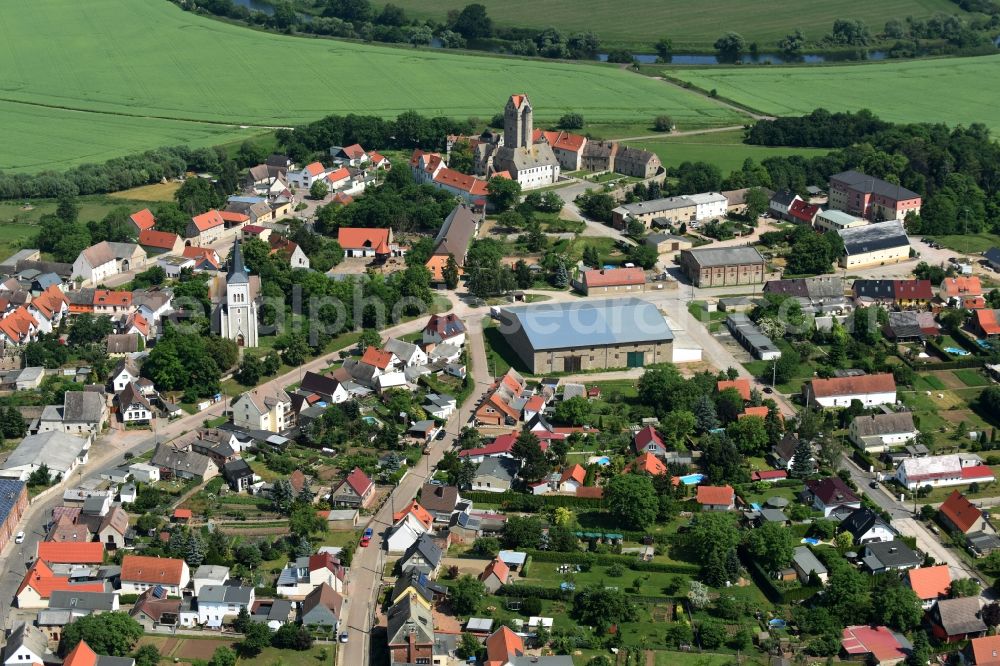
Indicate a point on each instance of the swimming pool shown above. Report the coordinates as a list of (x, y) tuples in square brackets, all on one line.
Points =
[(776, 623), (810, 541), (600, 460), (370, 420), (955, 351), (692, 479), (755, 506), (984, 344)]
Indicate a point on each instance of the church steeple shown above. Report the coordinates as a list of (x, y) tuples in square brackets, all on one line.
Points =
[(237, 269)]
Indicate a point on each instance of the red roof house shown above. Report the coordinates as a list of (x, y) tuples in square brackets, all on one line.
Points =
[(878, 643), (716, 498), (71, 552), (142, 220), (802, 211), (356, 490), (648, 440), (960, 514), (742, 385)]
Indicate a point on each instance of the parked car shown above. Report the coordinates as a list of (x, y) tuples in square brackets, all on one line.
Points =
[(343, 637), (441, 434), (366, 538), (19, 538)]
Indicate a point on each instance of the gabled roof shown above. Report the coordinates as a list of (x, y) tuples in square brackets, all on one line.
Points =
[(460, 181), (859, 522), (873, 237), (961, 286), (883, 424), (614, 277), (871, 185), (985, 650), (208, 220), (418, 512), (880, 642), (361, 237), (803, 210), (962, 513), (575, 473), (439, 499), (832, 490), (988, 321), (99, 254), (40, 578), (314, 168), (647, 463), (152, 570), (503, 469), (716, 495), (646, 436), (409, 620), (426, 547), (358, 481), (496, 568), (860, 385), (961, 616), (108, 298), (326, 596), (343, 173), (30, 637), (502, 646), (131, 395), (161, 240), (68, 552), (741, 384), (116, 519), (930, 582), (143, 219)]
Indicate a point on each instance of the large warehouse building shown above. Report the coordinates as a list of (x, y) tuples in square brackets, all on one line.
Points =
[(721, 267), (587, 335)]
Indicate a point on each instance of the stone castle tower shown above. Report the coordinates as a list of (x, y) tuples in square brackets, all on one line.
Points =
[(518, 124)]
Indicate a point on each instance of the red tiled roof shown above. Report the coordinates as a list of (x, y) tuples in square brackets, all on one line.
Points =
[(209, 220), (576, 473), (358, 481), (930, 582), (861, 385), (70, 552), (535, 404), (803, 211), (137, 321), (152, 570), (715, 495), (41, 579), (590, 492), (143, 219), (760, 412), (987, 322), (231, 216), (645, 436), (986, 650), (769, 475), (460, 181), (962, 286), (253, 230), (648, 463), (315, 169), (879, 641), (376, 158), (517, 99), (354, 151), (50, 301), (81, 655), (161, 240), (614, 277), (113, 298), (377, 357), (198, 253), (419, 512), (977, 472), (359, 237), (497, 567), (742, 385), (340, 174), (183, 514), (431, 160), (912, 290), (17, 325)]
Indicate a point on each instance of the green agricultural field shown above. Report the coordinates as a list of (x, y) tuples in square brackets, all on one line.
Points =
[(949, 90), (689, 23), (969, 243), (725, 150), (14, 236), (116, 76)]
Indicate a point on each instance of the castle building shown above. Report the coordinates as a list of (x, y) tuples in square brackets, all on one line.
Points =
[(531, 164), (235, 317)]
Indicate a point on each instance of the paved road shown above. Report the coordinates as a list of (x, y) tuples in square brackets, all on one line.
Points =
[(365, 575)]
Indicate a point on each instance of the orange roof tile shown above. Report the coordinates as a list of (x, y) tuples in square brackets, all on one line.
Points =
[(183, 514), (648, 463), (359, 237), (209, 220), (143, 219), (419, 512), (576, 473), (354, 151), (436, 265), (962, 513), (231, 216), (113, 298), (460, 181), (614, 277), (41, 579), (715, 495), (760, 412), (742, 385), (343, 199), (590, 492), (986, 650), (315, 169), (81, 655), (340, 174), (497, 567), (861, 385), (930, 582), (152, 570), (962, 286), (69, 552), (161, 240), (376, 357), (502, 645), (987, 322)]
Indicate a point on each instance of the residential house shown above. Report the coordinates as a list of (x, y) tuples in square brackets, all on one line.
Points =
[(495, 475), (836, 220), (572, 478), (944, 470), (501, 447), (871, 390), (874, 245), (52, 552), (238, 475), (133, 406), (205, 258), (929, 583), (289, 251), (155, 612), (830, 494), (872, 198), (140, 573), (410, 633), (404, 533), (275, 613), (879, 432), (113, 528), (440, 501), (806, 565), (495, 576), (329, 389), (304, 178), (657, 212), (723, 267), (986, 323), (418, 512), (124, 374), (355, 491), (440, 406), (504, 646), (82, 412), (877, 645), (409, 354), (982, 651), (218, 602), (884, 556), (780, 202), (84, 655), (205, 229), (611, 280), (161, 242), (958, 514), (209, 574), (911, 326), (647, 440), (741, 384), (59, 451), (424, 555), (647, 463), (445, 328), (28, 645), (142, 220), (962, 292), (353, 155), (18, 327), (183, 463), (716, 498), (865, 526), (419, 587), (636, 163), (366, 242), (895, 293), (954, 620), (40, 582), (323, 608), (96, 263), (803, 212), (302, 576), (568, 148), (496, 409), (263, 409), (48, 308)]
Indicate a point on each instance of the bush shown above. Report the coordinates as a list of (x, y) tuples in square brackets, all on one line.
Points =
[(531, 606), (663, 124)]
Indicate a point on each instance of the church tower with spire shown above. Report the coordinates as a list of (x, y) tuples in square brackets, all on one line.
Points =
[(237, 313)]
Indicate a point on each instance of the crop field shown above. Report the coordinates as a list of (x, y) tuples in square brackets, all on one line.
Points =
[(689, 23), (116, 76), (725, 150), (950, 90)]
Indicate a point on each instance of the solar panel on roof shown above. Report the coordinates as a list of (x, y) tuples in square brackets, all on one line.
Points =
[(159, 592)]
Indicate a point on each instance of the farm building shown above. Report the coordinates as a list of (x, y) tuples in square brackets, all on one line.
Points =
[(874, 244), (721, 267)]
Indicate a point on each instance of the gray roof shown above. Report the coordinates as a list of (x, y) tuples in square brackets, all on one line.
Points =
[(891, 554), (656, 206), (725, 256), (211, 572), (187, 461), (993, 255), (961, 616), (88, 601), (838, 217), (866, 183), (812, 288), (874, 237), (225, 594), (587, 323), (456, 233), (427, 548), (277, 609), (82, 406), (236, 469), (884, 424), (237, 268), (30, 637), (503, 469), (806, 561), (410, 617), (58, 450), (402, 349)]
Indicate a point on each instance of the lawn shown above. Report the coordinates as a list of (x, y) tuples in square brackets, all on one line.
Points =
[(969, 243), (725, 150), (14, 236), (799, 90), (118, 76), (156, 192), (689, 23), (971, 377)]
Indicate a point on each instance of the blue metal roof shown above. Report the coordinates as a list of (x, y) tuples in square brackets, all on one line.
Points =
[(10, 493), (611, 321)]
